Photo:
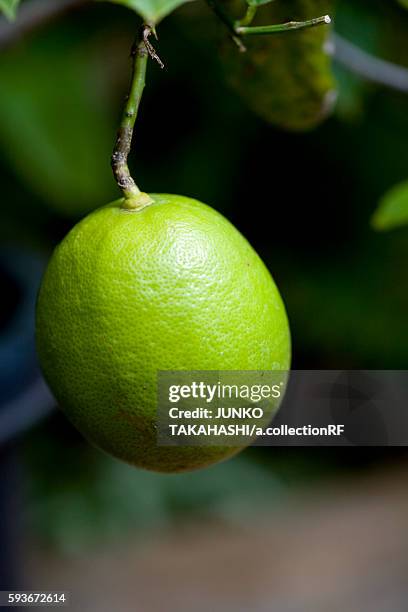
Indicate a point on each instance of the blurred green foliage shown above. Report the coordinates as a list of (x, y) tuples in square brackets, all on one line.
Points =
[(258, 2), (9, 7), (88, 499), (57, 118), (393, 209)]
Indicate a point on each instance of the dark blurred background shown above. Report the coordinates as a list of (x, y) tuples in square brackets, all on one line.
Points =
[(282, 529)]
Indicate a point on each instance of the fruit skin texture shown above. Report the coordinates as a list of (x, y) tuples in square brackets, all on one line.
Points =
[(171, 287)]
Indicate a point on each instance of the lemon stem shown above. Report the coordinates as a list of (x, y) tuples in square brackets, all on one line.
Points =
[(134, 199)]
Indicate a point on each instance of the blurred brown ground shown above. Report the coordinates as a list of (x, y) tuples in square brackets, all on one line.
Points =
[(334, 547)]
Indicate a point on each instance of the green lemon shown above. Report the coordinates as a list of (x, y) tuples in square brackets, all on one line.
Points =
[(173, 286)]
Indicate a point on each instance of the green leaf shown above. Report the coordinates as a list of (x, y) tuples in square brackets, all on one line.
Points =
[(58, 118), (152, 11), (393, 208), (9, 7), (404, 3)]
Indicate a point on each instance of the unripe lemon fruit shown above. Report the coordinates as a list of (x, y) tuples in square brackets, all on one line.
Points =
[(173, 286)]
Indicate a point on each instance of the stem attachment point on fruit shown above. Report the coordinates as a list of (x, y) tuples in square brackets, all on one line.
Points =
[(137, 202)]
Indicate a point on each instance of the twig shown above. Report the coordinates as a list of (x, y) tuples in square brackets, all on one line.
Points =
[(283, 27), (237, 29), (369, 67), (229, 24), (249, 16), (134, 199)]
